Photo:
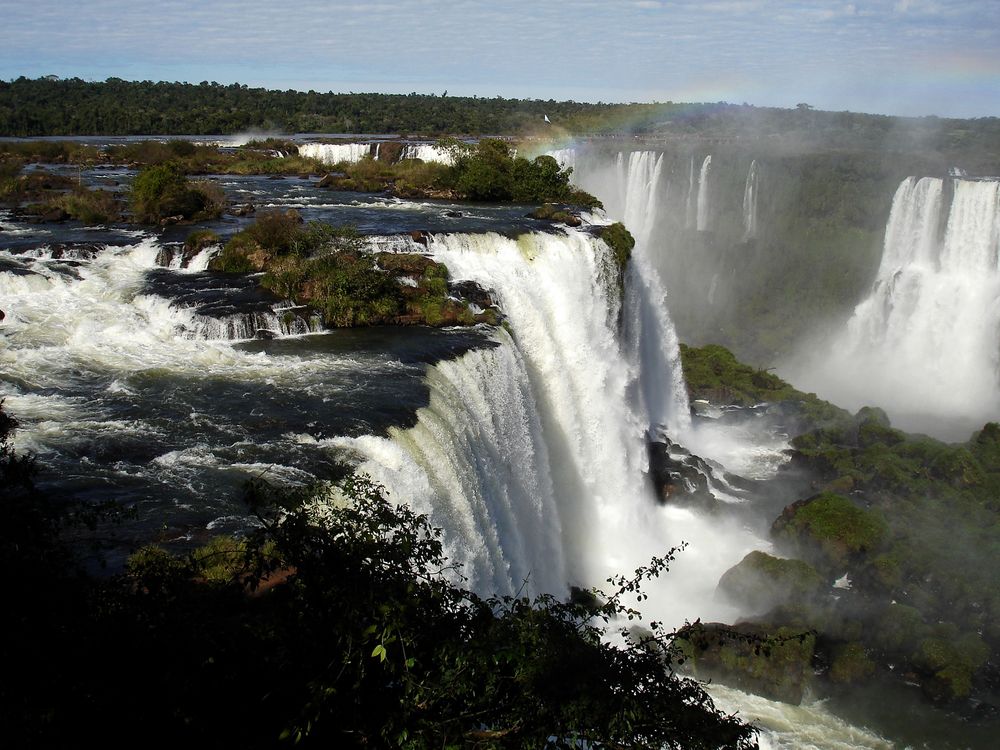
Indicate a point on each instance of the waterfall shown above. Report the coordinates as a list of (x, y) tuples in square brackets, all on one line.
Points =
[(702, 209), (428, 152), (531, 455), (750, 203), (925, 341), (648, 331), (690, 207), (566, 157), (335, 153)]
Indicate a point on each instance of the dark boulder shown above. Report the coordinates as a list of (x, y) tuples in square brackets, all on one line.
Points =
[(773, 663), (679, 477)]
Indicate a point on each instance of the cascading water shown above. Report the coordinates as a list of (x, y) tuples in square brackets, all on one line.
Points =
[(531, 456), (750, 203), (428, 152), (924, 344), (648, 331), (703, 194), (335, 153), (690, 205)]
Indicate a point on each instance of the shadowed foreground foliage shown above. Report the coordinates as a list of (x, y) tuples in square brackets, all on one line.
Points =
[(335, 624)]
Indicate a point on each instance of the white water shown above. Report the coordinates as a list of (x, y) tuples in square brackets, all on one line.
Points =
[(925, 344), (703, 207), (428, 152), (809, 726), (648, 331), (690, 205), (750, 203), (531, 456), (335, 153)]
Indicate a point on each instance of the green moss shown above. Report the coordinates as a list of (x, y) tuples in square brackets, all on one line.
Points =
[(774, 663), (850, 664), (951, 664), (831, 530), (760, 582), (620, 240), (552, 212)]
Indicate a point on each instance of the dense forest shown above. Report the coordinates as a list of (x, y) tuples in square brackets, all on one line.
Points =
[(54, 107)]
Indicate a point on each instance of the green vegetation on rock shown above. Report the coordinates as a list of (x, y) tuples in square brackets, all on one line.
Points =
[(760, 582), (830, 530), (714, 374), (162, 193), (775, 663), (328, 269)]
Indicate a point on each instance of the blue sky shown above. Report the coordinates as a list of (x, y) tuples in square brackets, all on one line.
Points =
[(911, 57)]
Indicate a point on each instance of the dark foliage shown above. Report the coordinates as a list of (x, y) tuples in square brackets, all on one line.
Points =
[(336, 624)]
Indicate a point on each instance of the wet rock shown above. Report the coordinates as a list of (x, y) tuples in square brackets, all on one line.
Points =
[(242, 209), (679, 477), (454, 214), (471, 292), (419, 236)]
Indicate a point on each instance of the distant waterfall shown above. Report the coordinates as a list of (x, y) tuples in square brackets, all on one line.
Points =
[(750, 203), (566, 157), (428, 152), (335, 153), (706, 167), (927, 339), (691, 205)]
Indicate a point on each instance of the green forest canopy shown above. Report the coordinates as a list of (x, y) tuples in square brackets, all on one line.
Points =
[(53, 107)]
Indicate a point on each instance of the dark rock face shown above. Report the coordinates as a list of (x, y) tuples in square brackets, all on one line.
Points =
[(419, 236), (680, 477), (472, 292)]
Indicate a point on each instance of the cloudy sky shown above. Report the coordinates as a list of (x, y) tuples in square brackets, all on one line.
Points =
[(911, 57)]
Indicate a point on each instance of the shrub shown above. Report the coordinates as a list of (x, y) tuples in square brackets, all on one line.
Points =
[(162, 192)]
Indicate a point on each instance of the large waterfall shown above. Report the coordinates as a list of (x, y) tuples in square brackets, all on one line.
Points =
[(532, 456), (925, 344), (335, 153)]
